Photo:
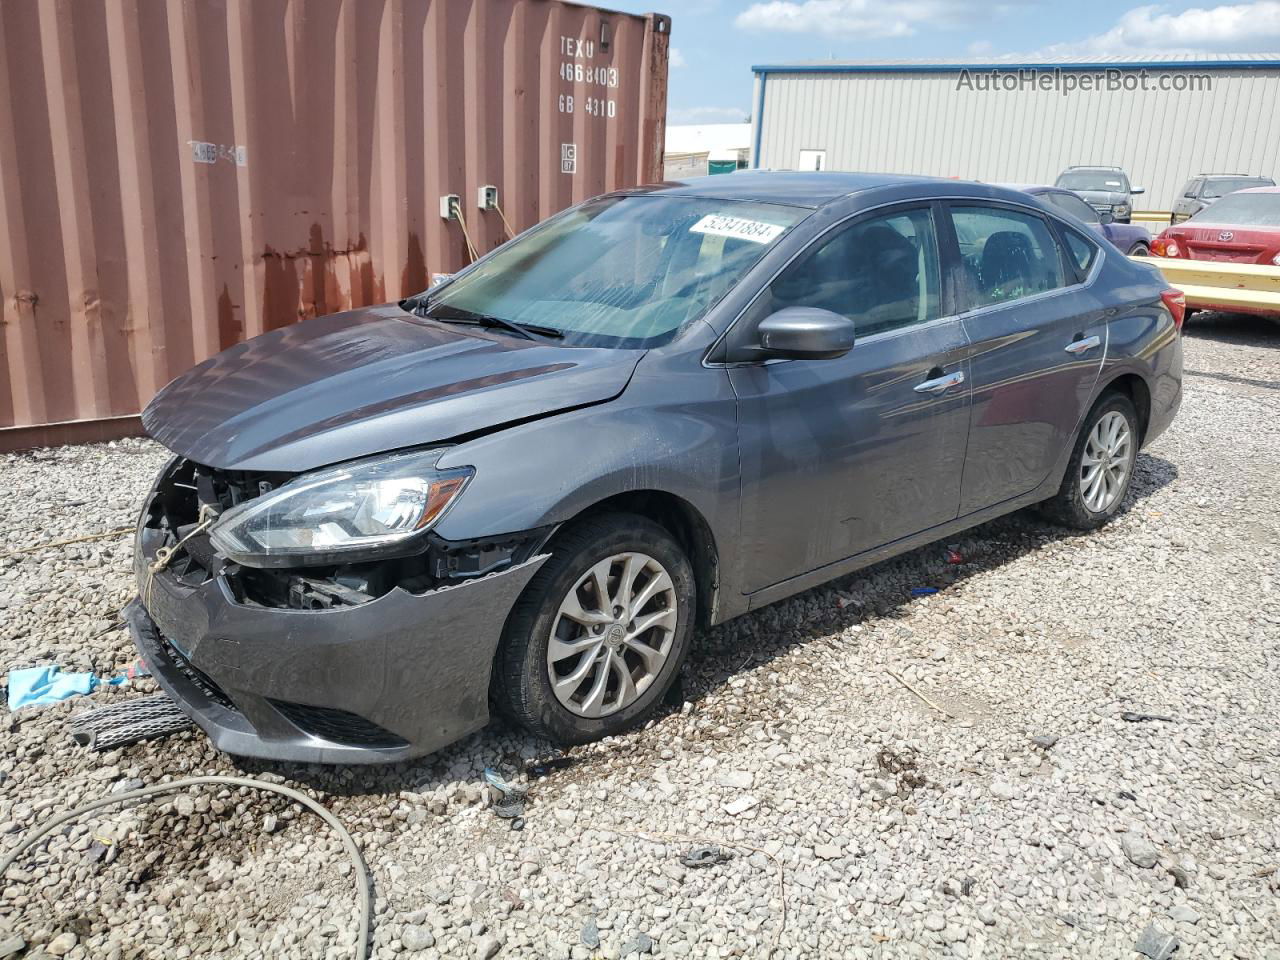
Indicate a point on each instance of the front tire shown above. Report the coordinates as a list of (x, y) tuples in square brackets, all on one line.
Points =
[(1139, 250), (1101, 467), (600, 632)]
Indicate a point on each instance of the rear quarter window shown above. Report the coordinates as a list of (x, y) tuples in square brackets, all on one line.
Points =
[(1080, 251)]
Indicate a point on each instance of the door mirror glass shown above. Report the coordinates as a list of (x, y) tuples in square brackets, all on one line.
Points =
[(1107, 218), (805, 333)]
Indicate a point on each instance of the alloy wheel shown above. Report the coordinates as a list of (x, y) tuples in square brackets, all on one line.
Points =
[(612, 634), (1105, 465)]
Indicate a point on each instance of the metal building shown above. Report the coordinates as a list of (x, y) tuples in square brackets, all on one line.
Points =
[(1162, 120)]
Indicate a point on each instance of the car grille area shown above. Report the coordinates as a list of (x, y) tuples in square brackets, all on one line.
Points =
[(337, 726)]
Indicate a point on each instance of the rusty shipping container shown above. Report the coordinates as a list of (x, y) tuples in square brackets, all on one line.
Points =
[(179, 175)]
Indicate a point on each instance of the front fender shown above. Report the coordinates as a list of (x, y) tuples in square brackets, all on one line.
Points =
[(673, 430)]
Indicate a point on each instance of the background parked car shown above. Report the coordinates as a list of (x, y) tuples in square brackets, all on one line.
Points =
[(1243, 227), (1106, 189), (1204, 189), (1129, 238)]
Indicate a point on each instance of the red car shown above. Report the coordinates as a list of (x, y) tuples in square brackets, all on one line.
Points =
[(1242, 227)]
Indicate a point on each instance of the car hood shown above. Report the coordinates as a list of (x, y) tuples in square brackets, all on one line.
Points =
[(1103, 196), (368, 381)]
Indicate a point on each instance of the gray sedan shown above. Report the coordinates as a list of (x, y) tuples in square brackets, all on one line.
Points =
[(658, 410)]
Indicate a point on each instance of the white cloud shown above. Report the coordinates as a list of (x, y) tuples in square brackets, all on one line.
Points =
[(709, 115), (675, 59), (865, 18), (1227, 28)]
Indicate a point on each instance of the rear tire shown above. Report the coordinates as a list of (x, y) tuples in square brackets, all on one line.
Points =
[(1101, 467), (623, 667)]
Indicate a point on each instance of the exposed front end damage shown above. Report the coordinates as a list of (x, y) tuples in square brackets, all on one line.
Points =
[(360, 663)]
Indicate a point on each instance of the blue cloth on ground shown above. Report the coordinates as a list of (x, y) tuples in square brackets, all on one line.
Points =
[(32, 686)]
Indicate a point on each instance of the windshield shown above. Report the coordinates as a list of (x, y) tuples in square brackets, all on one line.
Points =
[(620, 271), (1221, 187), (1245, 209), (1104, 181)]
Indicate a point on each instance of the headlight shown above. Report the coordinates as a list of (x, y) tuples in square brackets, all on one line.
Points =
[(1121, 209), (337, 515)]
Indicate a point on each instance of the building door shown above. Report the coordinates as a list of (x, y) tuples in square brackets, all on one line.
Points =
[(812, 160)]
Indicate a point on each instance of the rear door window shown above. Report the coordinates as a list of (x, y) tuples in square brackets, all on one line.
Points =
[(1007, 254), (1080, 251)]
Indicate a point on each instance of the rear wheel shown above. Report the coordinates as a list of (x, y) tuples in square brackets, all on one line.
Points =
[(1101, 467), (600, 632)]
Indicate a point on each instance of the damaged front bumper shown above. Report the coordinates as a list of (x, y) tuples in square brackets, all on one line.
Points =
[(393, 678)]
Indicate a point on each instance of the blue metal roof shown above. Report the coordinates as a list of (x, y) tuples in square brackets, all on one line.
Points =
[(1270, 62)]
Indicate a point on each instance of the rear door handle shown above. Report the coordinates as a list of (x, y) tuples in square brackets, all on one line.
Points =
[(1083, 346), (940, 385)]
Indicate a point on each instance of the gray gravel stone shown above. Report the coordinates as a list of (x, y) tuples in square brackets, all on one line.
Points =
[(416, 937), (1139, 850), (1156, 944)]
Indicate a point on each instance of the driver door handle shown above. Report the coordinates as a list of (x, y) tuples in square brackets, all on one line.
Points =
[(1082, 346), (940, 385)]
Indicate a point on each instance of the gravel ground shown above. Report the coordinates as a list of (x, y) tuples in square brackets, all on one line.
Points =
[(1009, 808)]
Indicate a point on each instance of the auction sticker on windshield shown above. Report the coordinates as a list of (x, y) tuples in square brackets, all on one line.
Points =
[(739, 228)]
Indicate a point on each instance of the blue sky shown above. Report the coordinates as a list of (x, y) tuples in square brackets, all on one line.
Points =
[(715, 42)]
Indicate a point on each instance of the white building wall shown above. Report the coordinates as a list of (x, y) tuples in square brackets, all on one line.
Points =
[(920, 122)]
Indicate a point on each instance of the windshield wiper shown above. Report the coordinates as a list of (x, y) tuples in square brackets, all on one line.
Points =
[(458, 315)]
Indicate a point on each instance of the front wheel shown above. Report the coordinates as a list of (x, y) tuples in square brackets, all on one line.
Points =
[(1139, 250), (1101, 466), (600, 632)]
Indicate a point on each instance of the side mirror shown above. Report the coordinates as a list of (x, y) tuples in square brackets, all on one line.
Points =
[(1137, 190), (805, 333), (1106, 218), (1189, 196)]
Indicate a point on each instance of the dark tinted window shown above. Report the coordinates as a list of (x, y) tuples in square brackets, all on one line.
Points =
[(1080, 250), (1073, 205), (882, 273), (1006, 254)]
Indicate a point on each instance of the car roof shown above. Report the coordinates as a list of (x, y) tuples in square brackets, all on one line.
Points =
[(1260, 190), (1034, 188), (1093, 166), (800, 189), (1233, 176)]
